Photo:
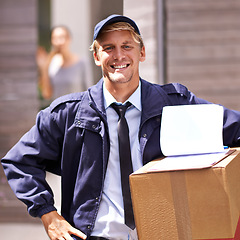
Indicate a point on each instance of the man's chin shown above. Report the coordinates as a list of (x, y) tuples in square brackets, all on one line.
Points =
[(119, 78)]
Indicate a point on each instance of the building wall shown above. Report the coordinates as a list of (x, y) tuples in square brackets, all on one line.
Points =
[(18, 91), (203, 48), (76, 15)]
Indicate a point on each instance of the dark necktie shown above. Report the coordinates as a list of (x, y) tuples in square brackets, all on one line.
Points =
[(125, 162)]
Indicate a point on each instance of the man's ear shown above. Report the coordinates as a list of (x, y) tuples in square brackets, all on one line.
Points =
[(142, 54), (96, 59)]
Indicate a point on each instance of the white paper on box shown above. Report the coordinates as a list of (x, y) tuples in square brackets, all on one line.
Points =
[(191, 129)]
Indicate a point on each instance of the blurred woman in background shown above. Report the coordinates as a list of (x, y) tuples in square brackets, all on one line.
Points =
[(60, 71)]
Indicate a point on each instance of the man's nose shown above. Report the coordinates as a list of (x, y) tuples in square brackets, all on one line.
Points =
[(118, 54)]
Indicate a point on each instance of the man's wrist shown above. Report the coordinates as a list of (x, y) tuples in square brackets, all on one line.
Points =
[(45, 210)]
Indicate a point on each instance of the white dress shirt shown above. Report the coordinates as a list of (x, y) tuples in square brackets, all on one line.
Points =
[(110, 218)]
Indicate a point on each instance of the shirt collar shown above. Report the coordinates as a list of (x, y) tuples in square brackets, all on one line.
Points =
[(134, 99)]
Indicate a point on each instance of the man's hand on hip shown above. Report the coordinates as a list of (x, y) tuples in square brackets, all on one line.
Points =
[(58, 228)]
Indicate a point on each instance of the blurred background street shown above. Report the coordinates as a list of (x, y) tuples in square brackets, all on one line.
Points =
[(22, 231)]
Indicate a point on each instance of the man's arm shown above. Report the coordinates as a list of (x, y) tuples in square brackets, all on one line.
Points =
[(58, 228)]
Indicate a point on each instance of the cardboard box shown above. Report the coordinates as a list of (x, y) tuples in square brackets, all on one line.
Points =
[(188, 204)]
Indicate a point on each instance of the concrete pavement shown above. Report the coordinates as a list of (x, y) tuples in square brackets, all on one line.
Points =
[(22, 231)]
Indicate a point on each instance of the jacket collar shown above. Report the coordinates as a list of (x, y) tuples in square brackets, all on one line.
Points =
[(95, 97), (91, 109), (92, 105)]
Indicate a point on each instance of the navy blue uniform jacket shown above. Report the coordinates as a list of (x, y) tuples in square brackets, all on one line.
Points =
[(71, 139)]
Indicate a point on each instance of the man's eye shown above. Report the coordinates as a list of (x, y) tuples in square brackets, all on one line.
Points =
[(126, 47), (107, 49)]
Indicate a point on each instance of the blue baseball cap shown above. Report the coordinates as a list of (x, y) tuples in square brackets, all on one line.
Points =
[(113, 19)]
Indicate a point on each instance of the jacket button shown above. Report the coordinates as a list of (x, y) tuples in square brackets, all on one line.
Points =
[(94, 126), (144, 135)]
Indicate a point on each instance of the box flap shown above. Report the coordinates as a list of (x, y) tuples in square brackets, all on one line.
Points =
[(187, 162)]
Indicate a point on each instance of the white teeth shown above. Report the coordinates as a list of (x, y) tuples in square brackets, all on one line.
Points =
[(120, 66)]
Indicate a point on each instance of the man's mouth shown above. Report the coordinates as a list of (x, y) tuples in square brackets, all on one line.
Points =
[(120, 66)]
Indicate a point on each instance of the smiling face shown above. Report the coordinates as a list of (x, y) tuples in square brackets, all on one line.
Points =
[(119, 55)]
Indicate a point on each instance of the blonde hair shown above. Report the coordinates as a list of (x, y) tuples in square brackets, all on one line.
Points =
[(118, 26)]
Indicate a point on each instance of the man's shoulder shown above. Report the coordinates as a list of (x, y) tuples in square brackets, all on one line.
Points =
[(175, 88), (72, 98), (169, 88)]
